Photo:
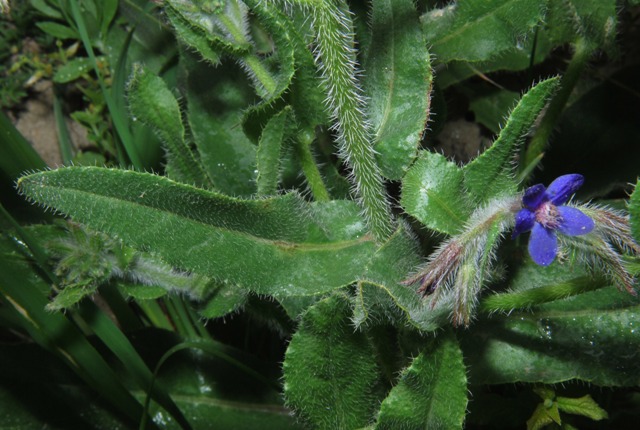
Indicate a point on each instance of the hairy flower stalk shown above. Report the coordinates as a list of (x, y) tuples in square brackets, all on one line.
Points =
[(336, 58), (595, 236), (456, 272)]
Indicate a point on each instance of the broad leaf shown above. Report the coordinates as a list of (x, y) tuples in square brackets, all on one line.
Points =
[(397, 82), (256, 244), (478, 31), (380, 296), (491, 174), (593, 337), (431, 392), (433, 193), (329, 369)]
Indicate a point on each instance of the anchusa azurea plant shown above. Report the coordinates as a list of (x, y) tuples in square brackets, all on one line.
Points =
[(312, 234)]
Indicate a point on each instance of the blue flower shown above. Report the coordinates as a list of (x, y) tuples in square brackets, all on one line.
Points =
[(544, 214)]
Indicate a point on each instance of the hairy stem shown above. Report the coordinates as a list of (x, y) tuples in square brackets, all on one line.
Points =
[(336, 56)]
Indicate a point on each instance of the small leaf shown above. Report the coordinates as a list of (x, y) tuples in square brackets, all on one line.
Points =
[(69, 296), (543, 416), (329, 369), (225, 299), (58, 31), (433, 193), (193, 37), (491, 174), (152, 102), (72, 70), (431, 392), (479, 31), (585, 406), (397, 81)]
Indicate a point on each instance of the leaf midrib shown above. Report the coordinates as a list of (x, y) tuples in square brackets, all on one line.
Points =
[(281, 244)]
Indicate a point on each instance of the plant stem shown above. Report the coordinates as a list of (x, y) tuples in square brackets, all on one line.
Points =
[(507, 302), (336, 56), (582, 52)]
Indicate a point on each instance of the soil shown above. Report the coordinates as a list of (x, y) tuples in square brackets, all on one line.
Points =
[(37, 124)]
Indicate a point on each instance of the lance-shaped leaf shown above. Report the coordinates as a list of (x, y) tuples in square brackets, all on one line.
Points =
[(431, 392), (491, 174), (152, 102), (397, 82), (479, 31), (256, 244), (329, 369), (593, 337), (433, 193), (269, 152)]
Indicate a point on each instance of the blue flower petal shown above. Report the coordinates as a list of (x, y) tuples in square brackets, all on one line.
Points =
[(543, 245), (574, 222), (563, 187), (525, 219), (534, 195)]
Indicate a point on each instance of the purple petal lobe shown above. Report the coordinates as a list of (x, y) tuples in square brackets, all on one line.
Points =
[(534, 195), (574, 222), (525, 219), (543, 245), (563, 187)]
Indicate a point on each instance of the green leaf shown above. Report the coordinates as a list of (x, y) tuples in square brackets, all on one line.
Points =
[(256, 244), (479, 31), (269, 153), (433, 193), (193, 37), (69, 296), (491, 174), (225, 300), (152, 102), (72, 70), (329, 369), (585, 406), (46, 9), (431, 392), (397, 82), (56, 30), (596, 20), (591, 337), (381, 298), (215, 115)]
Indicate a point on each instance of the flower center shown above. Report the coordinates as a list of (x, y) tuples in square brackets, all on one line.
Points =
[(548, 215)]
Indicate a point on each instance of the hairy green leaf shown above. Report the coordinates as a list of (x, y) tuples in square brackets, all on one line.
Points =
[(152, 102), (593, 337), (431, 392), (215, 115), (380, 298), (433, 193), (397, 83), (491, 174), (479, 31), (256, 244), (269, 153), (329, 369), (194, 37)]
